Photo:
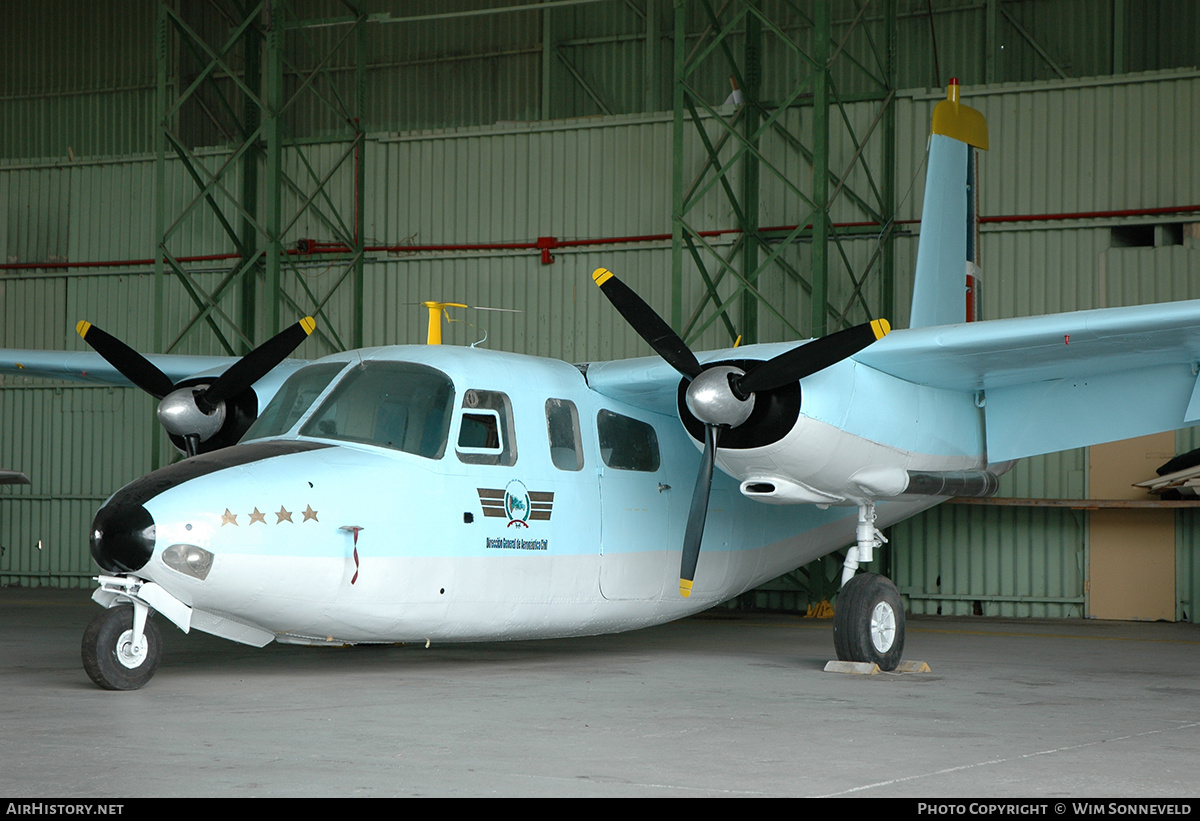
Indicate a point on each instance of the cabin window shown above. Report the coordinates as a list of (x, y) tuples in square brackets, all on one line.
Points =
[(562, 427), (293, 400), (485, 430), (398, 405), (480, 432), (625, 443)]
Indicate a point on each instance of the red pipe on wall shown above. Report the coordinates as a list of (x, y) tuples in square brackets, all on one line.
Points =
[(544, 245)]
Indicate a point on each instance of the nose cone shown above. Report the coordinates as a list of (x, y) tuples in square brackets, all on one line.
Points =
[(122, 535)]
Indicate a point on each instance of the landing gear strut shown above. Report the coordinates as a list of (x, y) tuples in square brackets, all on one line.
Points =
[(868, 622), (118, 652)]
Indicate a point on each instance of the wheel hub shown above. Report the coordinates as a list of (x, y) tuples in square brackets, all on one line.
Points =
[(131, 655), (883, 627)]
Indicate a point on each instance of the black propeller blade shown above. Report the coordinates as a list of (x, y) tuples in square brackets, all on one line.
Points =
[(723, 396), (132, 365), (649, 325), (805, 360), (698, 513), (256, 364), (195, 415)]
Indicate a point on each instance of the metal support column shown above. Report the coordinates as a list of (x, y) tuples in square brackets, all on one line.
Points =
[(260, 128), (817, 318), (783, 192), (752, 91)]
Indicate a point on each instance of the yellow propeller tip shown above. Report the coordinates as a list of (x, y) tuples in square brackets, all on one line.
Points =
[(308, 324), (685, 587), (881, 327), (82, 327), (601, 276)]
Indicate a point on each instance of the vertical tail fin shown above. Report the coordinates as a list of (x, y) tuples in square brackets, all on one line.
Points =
[(948, 246)]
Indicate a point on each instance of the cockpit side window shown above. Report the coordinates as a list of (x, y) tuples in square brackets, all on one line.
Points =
[(625, 443), (397, 405), (562, 427), (485, 432), (293, 399)]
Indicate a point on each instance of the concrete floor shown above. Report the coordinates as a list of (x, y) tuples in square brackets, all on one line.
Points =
[(711, 706)]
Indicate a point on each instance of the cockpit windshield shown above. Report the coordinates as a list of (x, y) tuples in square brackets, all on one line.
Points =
[(397, 405), (293, 399)]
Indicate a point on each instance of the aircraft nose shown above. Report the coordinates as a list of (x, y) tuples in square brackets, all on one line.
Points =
[(122, 535)]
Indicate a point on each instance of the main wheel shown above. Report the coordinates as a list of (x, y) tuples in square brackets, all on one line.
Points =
[(109, 655), (868, 621)]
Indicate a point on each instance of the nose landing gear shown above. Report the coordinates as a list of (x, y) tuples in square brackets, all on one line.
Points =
[(118, 652)]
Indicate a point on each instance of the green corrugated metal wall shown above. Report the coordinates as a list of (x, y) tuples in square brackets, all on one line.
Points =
[(80, 77)]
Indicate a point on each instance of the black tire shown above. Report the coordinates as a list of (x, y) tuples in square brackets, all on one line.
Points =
[(868, 621), (102, 652)]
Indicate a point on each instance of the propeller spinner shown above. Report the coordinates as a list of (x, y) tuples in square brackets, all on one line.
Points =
[(722, 396), (195, 413)]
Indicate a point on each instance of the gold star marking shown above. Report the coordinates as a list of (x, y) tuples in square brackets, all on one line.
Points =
[(258, 516), (284, 515), (309, 513), (229, 518)]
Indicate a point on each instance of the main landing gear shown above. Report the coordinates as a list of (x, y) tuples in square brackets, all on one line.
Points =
[(119, 653), (868, 621)]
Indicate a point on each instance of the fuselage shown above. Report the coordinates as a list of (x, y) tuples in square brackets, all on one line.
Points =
[(451, 494)]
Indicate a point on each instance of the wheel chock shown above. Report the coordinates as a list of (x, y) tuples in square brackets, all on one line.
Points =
[(870, 668), (858, 668), (824, 610)]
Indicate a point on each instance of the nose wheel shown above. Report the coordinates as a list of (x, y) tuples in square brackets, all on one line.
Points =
[(868, 621), (116, 656)]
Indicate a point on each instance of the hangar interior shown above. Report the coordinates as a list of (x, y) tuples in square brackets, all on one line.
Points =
[(194, 175)]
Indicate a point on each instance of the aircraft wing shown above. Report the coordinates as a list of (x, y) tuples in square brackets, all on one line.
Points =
[(1046, 383), (85, 366), (646, 382), (1061, 381)]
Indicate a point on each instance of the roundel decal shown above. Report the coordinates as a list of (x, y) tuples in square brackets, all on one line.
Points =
[(516, 504)]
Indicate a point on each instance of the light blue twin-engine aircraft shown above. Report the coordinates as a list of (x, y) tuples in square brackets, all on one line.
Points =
[(430, 493)]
